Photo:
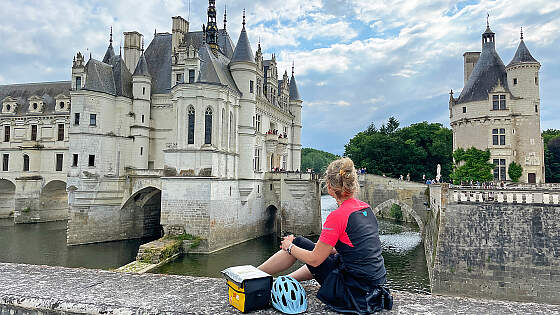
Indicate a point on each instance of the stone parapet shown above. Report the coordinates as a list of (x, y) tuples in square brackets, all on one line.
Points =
[(29, 289), (524, 196)]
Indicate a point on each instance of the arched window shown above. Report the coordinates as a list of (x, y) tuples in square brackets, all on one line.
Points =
[(190, 131), (224, 128), (208, 126), (231, 133), (26, 163)]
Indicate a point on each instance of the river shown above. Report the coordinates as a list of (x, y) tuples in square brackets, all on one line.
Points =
[(45, 244), (403, 252)]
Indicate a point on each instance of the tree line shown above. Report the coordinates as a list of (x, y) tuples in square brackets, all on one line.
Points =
[(394, 151), (418, 149)]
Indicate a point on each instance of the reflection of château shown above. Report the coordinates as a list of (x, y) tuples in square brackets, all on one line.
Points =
[(499, 109)]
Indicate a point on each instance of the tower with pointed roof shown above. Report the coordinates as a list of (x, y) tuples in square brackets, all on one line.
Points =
[(499, 109), (141, 109), (243, 70), (295, 109)]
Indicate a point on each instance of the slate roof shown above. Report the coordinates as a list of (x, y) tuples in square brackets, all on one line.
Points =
[(224, 41), (214, 69), (99, 77), (243, 51), (142, 67), (522, 55), (111, 78), (123, 78), (45, 90), (294, 92), (109, 54), (158, 57), (485, 75)]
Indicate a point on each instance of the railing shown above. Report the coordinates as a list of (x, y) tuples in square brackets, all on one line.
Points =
[(292, 175), (505, 196), (145, 172)]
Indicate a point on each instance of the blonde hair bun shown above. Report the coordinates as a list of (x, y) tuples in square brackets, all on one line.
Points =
[(341, 176)]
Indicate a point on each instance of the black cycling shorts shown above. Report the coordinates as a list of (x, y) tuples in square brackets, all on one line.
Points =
[(322, 271)]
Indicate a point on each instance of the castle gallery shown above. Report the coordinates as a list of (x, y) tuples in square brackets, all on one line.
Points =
[(499, 110), (192, 105)]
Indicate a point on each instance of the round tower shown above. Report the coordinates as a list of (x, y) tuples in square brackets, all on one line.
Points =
[(140, 129), (295, 109), (523, 74), (244, 71)]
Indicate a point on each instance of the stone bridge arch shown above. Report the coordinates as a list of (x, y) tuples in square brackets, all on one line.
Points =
[(140, 213), (7, 198), (404, 207), (272, 220)]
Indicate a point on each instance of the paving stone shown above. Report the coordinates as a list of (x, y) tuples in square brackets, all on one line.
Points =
[(28, 289)]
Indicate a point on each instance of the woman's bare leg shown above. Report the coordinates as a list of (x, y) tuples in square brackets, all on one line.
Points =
[(302, 274), (278, 262)]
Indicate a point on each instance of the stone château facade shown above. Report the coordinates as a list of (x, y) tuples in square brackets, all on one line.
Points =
[(34, 122), (183, 134), (499, 110)]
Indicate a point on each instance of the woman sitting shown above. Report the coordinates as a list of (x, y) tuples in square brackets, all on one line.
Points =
[(346, 261)]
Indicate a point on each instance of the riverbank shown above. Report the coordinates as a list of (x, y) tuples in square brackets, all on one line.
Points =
[(65, 290)]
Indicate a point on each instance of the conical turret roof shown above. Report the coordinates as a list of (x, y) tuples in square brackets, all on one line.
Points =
[(294, 92), (243, 51), (109, 54), (522, 55), (142, 67), (488, 71)]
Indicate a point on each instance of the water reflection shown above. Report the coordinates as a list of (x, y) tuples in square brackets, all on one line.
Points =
[(45, 244)]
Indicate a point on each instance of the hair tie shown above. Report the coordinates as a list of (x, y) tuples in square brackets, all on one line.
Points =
[(341, 172)]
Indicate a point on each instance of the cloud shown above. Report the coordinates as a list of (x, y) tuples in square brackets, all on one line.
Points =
[(356, 61)]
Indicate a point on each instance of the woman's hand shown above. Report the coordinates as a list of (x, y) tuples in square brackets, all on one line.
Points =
[(287, 241)]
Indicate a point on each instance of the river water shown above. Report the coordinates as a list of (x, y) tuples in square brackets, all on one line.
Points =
[(45, 244), (403, 252)]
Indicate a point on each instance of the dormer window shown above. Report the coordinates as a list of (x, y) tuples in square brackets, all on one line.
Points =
[(35, 104), (499, 102), (62, 103), (9, 105)]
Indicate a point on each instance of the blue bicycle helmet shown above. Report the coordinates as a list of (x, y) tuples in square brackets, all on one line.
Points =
[(288, 296)]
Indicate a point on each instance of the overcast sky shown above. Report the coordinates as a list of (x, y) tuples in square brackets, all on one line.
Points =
[(357, 61)]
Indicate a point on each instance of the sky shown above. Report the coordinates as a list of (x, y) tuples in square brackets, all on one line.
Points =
[(357, 62)]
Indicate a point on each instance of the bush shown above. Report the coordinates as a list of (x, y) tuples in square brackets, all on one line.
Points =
[(396, 212), (515, 171)]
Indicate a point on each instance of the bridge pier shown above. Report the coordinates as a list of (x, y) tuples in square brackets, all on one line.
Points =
[(484, 246), (221, 212)]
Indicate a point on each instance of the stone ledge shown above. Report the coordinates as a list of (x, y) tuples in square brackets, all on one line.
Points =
[(31, 289)]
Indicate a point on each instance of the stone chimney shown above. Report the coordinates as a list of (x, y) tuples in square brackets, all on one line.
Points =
[(180, 27), (132, 49), (470, 57)]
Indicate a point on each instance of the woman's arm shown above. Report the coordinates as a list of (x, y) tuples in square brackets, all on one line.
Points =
[(313, 258)]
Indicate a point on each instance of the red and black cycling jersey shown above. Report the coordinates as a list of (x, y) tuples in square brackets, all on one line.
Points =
[(352, 229)]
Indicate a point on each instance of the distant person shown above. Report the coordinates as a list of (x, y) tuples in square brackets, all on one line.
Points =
[(408, 177), (346, 260), (401, 178), (423, 177)]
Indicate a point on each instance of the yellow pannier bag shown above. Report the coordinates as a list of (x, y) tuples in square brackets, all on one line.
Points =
[(248, 287)]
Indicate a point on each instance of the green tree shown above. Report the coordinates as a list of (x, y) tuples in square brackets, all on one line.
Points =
[(316, 160), (472, 164), (551, 139), (515, 171), (552, 160), (416, 149), (396, 212)]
